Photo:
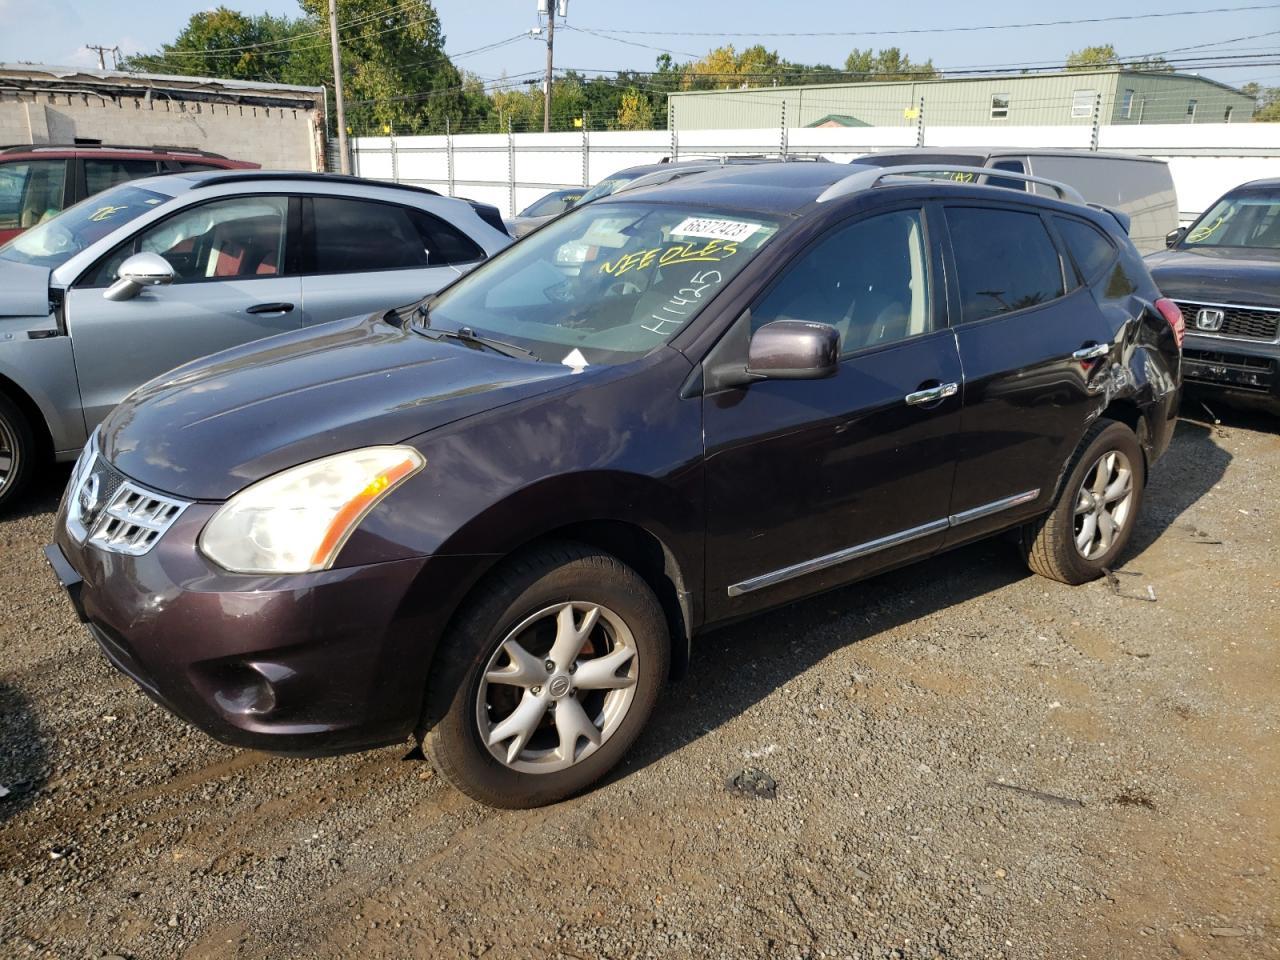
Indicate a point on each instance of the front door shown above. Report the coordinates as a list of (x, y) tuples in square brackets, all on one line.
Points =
[(811, 483), (232, 284)]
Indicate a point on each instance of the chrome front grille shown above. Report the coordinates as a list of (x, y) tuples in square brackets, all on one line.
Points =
[(1237, 322), (107, 509)]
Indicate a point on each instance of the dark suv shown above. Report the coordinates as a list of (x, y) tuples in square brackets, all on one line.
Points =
[(37, 181), (496, 518), (1224, 273)]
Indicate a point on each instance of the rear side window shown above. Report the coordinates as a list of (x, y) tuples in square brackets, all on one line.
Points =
[(1008, 182), (1005, 260), (100, 175), (444, 243), (359, 236), (31, 191), (1091, 251)]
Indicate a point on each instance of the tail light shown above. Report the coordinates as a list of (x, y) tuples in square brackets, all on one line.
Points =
[(1169, 310)]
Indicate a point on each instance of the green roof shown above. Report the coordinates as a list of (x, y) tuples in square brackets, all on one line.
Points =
[(841, 119)]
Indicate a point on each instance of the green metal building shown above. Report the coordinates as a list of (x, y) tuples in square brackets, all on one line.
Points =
[(1118, 96)]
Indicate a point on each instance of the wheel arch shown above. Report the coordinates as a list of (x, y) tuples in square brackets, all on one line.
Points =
[(35, 417)]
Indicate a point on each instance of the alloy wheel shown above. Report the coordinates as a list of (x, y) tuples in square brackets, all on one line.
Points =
[(557, 687), (1103, 504), (8, 453)]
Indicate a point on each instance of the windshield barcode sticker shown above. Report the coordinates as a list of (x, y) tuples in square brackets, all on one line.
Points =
[(715, 229)]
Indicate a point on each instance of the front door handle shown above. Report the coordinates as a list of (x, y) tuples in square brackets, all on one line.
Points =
[(1092, 351), (929, 395), (271, 308)]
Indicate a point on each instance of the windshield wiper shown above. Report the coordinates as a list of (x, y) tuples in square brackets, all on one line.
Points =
[(467, 335)]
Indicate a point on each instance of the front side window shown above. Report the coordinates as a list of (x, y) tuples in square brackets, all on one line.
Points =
[(999, 106), (31, 192), (1005, 261), (606, 283), (100, 175), (1082, 103), (1244, 220), (868, 280), (57, 240), (236, 238)]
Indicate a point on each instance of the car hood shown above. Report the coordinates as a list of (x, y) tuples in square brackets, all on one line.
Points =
[(24, 290), (210, 428), (1217, 276)]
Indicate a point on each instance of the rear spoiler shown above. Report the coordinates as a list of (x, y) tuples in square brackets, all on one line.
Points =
[(490, 215), (1120, 216)]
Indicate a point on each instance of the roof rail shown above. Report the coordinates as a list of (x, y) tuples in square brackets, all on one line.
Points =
[(157, 148), (214, 178), (867, 178)]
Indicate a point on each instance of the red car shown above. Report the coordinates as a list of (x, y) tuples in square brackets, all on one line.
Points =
[(38, 181)]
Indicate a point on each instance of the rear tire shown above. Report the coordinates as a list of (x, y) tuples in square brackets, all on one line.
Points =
[(17, 452), (1096, 510), (546, 678)]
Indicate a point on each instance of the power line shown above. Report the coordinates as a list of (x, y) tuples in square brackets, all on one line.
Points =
[(918, 30)]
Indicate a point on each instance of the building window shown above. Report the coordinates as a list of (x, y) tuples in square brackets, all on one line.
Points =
[(1126, 105), (1191, 110), (999, 106), (1082, 103), (1226, 114)]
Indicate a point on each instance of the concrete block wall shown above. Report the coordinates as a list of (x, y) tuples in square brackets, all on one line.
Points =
[(277, 138)]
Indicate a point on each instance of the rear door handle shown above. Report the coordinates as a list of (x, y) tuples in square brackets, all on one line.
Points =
[(932, 394), (1092, 352), (271, 308)]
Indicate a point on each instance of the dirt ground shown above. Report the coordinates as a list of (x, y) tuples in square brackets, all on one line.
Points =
[(970, 762)]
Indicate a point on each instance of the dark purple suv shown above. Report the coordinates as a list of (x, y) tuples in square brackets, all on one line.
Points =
[(495, 519)]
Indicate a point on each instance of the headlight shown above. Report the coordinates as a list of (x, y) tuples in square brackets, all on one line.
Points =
[(298, 520)]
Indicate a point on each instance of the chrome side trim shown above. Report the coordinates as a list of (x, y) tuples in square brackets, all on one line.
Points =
[(840, 556), (995, 506), (773, 578)]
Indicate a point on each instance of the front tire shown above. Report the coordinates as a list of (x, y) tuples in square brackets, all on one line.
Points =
[(17, 452), (1096, 510), (546, 679)]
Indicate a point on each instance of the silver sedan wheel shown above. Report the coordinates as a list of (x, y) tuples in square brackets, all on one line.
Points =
[(8, 453), (1103, 504), (558, 686)]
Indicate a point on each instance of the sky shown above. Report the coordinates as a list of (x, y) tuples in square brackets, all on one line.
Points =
[(58, 33)]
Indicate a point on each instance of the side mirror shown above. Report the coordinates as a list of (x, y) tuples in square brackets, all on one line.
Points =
[(793, 350), (140, 270), (1174, 237)]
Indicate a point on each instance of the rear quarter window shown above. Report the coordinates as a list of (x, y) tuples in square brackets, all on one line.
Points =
[(1005, 261), (1087, 245)]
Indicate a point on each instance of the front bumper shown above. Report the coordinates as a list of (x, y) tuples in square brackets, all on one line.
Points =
[(1234, 366), (310, 664)]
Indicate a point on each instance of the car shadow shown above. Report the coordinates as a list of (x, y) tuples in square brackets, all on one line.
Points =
[(43, 495), (769, 650), (24, 759)]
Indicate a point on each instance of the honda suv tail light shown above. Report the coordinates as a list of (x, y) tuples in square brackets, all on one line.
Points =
[(1169, 310)]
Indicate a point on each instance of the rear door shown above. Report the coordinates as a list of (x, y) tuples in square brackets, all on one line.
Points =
[(235, 281), (369, 255), (1024, 326), (811, 483)]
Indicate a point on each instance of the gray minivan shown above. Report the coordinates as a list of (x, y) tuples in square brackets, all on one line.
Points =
[(1140, 187)]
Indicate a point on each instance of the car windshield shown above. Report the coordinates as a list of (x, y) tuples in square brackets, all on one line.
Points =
[(606, 283), (604, 188), (54, 242), (1243, 220), (551, 205)]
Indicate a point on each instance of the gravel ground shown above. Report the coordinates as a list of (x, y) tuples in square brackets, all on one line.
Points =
[(969, 762)]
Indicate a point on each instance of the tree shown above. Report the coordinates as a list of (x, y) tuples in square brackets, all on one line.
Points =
[(1267, 100), (1091, 58), (635, 112), (226, 43), (887, 64)]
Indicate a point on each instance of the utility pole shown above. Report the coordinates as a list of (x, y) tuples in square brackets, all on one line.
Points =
[(344, 162), (551, 39), (102, 52)]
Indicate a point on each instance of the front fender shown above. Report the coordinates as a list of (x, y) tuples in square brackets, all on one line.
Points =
[(43, 369)]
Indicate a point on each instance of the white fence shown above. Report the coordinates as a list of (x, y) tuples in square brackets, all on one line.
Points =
[(512, 170)]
